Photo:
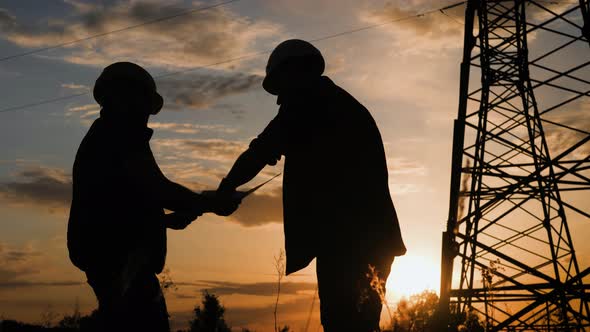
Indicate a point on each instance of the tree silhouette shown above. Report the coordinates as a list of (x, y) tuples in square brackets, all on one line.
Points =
[(48, 317), (71, 321), (416, 313), (472, 323), (209, 315)]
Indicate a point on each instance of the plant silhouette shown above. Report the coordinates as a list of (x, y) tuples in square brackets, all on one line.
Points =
[(209, 316)]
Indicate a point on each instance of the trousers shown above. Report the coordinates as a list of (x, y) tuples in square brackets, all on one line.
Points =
[(141, 307), (351, 289)]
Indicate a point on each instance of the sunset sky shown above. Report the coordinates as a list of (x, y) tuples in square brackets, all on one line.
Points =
[(406, 73)]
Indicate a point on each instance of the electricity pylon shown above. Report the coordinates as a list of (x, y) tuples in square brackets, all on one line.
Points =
[(520, 168)]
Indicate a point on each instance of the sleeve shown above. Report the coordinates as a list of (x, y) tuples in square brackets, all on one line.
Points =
[(143, 171), (270, 144)]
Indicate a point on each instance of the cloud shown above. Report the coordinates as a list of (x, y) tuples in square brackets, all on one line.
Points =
[(202, 91), (449, 23), (208, 162), (432, 26), (221, 288), (16, 262), (29, 284), (404, 166), (73, 86), (185, 41), (38, 186), (19, 264), (200, 149), (192, 91), (192, 174), (260, 209), (51, 188), (407, 188), (83, 108), (560, 139), (84, 112), (190, 128), (538, 13)]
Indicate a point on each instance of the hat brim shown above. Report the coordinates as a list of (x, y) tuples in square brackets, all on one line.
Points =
[(158, 103)]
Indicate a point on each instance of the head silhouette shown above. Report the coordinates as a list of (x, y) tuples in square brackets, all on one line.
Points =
[(125, 89), (291, 66)]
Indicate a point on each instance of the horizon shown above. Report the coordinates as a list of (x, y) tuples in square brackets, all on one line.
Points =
[(209, 66)]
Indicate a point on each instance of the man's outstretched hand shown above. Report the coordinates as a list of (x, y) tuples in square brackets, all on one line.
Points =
[(226, 206), (222, 202), (179, 220)]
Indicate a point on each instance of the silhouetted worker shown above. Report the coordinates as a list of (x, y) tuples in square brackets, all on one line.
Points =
[(336, 200), (117, 225)]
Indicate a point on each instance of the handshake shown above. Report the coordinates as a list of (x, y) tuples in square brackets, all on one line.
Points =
[(223, 202)]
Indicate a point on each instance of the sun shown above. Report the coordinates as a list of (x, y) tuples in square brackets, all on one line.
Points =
[(412, 274)]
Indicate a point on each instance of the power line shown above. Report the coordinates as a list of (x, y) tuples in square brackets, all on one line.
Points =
[(102, 34), (339, 34), (246, 56), (454, 19), (405, 18), (43, 102)]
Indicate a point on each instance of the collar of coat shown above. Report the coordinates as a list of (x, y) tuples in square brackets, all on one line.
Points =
[(311, 89), (125, 127)]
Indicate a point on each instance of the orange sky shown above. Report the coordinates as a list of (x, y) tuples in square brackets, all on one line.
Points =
[(405, 73)]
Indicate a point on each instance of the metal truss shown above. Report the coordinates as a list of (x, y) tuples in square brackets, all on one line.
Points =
[(520, 168)]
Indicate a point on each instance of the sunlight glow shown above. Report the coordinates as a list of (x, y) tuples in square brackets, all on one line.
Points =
[(412, 274)]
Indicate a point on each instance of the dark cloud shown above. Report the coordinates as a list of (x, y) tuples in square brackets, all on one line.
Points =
[(52, 188), (7, 21), (260, 209), (185, 41), (259, 288), (234, 109), (30, 284), (202, 91), (16, 263), (48, 187)]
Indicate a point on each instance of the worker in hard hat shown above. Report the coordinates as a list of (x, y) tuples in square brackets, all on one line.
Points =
[(117, 225), (336, 200)]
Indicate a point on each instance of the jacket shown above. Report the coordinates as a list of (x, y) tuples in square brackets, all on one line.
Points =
[(336, 196), (119, 196)]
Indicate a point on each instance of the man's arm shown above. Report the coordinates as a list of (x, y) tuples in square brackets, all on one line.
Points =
[(144, 172), (179, 220), (246, 167), (264, 150)]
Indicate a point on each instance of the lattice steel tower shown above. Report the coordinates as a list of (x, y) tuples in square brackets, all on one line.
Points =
[(520, 168)]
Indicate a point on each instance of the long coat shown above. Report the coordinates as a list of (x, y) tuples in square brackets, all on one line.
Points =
[(336, 196)]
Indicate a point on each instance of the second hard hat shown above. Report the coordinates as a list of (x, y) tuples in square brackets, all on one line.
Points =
[(289, 49)]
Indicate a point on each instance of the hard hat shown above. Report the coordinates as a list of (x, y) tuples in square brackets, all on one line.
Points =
[(289, 49), (120, 78)]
